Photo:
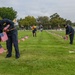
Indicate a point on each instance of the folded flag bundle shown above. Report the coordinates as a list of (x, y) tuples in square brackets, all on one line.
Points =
[(3, 36), (18, 41)]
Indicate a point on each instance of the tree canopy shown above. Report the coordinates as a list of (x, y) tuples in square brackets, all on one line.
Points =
[(8, 12), (53, 21), (27, 22)]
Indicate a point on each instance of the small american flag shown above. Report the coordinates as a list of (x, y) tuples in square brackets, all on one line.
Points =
[(3, 36), (18, 41), (22, 39), (26, 37), (1, 49)]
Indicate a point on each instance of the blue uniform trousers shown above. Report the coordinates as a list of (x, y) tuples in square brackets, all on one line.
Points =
[(12, 40)]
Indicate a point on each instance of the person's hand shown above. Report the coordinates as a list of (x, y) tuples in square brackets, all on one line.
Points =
[(65, 37), (6, 28)]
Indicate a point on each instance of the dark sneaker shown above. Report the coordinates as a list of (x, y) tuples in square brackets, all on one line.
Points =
[(8, 56), (17, 56)]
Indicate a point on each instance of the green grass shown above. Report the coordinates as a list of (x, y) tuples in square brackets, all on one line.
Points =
[(46, 54)]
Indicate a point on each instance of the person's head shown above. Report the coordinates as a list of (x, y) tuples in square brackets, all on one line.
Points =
[(14, 20), (65, 25)]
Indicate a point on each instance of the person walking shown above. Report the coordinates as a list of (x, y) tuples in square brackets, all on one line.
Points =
[(41, 28), (34, 30)]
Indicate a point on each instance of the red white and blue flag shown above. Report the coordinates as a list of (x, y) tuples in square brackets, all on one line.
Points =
[(3, 36), (1, 49)]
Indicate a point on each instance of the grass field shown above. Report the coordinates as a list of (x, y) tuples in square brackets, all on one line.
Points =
[(46, 54)]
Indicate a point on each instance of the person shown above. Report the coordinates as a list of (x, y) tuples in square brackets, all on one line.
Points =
[(8, 27), (41, 28), (70, 32), (1, 27), (34, 30), (0, 32)]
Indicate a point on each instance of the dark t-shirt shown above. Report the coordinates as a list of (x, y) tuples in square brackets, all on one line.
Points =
[(5, 22), (69, 30)]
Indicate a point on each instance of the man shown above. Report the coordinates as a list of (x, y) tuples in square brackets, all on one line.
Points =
[(1, 27), (41, 28), (34, 30), (70, 32), (8, 27)]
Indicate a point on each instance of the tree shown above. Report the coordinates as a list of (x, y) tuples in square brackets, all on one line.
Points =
[(27, 22), (56, 20), (0, 18), (68, 22), (44, 20), (55, 15), (6, 12)]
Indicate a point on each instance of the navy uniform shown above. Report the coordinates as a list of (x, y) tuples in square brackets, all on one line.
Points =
[(70, 32), (12, 38), (1, 27)]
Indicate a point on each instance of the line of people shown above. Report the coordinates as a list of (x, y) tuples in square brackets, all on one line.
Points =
[(7, 26), (69, 32)]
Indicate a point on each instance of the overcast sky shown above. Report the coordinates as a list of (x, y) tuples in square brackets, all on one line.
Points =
[(65, 8)]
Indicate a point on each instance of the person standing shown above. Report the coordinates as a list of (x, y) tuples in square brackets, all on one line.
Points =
[(34, 30), (41, 28), (70, 32), (1, 27), (8, 27)]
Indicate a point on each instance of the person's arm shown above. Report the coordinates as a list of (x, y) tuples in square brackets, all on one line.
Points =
[(66, 37), (6, 28), (67, 33)]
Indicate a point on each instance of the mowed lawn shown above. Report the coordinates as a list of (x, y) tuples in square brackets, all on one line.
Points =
[(46, 54)]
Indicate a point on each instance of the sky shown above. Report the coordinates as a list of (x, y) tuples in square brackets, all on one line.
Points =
[(65, 8)]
